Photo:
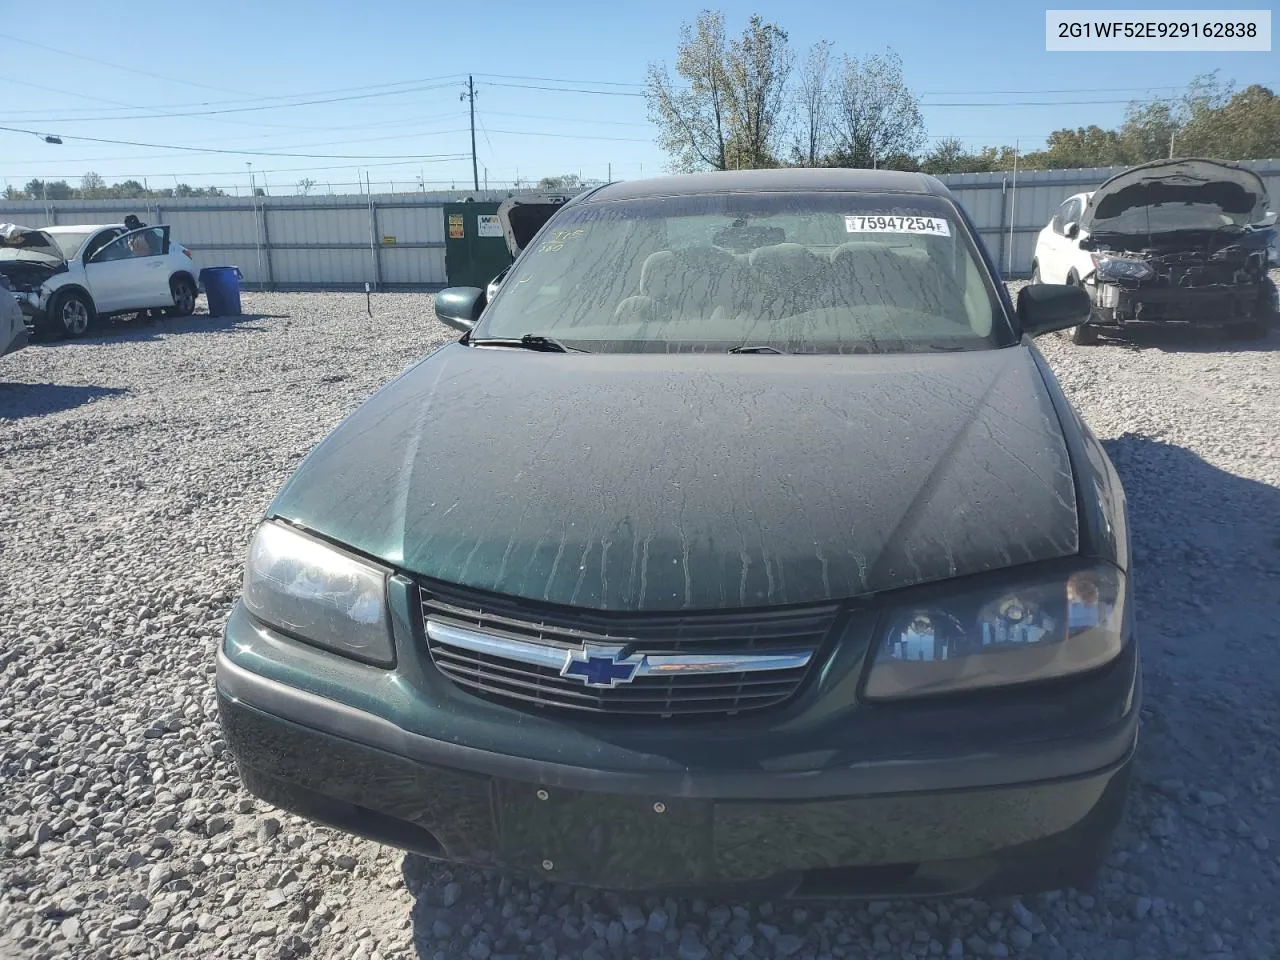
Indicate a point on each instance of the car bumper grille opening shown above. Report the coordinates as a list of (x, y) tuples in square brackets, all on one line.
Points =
[(519, 662)]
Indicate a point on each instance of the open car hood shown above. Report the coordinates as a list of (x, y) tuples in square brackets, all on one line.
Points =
[(29, 240), (1235, 190), (523, 216)]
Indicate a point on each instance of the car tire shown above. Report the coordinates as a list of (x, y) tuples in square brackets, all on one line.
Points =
[(70, 315), (1082, 335), (184, 298)]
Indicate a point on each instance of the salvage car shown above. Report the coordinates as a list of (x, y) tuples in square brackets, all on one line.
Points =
[(65, 278), (1185, 241), (743, 539)]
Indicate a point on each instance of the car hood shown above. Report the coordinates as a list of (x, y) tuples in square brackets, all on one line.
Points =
[(1235, 190), (656, 482), (30, 240)]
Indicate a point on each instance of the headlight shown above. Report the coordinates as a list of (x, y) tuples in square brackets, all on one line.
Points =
[(318, 593), (1118, 268), (1039, 629)]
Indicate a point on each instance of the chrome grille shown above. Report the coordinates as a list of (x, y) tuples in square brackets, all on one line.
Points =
[(699, 665)]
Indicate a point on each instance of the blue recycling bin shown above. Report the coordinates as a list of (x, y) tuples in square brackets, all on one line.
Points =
[(222, 290)]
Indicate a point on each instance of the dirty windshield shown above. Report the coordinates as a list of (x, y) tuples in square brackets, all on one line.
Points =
[(785, 272)]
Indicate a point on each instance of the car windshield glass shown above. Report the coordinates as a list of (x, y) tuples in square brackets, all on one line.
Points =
[(800, 272), (70, 243)]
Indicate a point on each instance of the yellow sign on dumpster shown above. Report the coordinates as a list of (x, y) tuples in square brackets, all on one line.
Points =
[(456, 230)]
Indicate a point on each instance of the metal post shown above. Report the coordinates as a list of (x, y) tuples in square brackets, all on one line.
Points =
[(1013, 208), (266, 247), (471, 95), (373, 236), (1004, 215)]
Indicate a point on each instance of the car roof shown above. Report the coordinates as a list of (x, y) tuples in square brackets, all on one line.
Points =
[(80, 227), (806, 179)]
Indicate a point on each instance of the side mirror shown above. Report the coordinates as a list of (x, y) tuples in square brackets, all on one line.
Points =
[(460, 307), (1071, 230), (1045, 307)]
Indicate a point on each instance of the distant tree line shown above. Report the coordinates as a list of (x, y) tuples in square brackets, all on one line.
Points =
[(743, 102), (94, 187)]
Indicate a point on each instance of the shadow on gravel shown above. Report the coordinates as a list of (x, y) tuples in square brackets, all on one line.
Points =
[(20, 400), (1206, 564), (1188, 340), (125, 331)]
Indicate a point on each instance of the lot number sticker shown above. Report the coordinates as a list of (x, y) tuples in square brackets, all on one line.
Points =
[(889, 223)]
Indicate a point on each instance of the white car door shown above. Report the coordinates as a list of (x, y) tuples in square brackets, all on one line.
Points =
[(1056, 251), (131, 272)]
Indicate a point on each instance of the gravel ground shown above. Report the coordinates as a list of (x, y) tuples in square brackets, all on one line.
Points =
[(134, 465)]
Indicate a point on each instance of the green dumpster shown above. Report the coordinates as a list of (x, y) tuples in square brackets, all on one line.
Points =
[(475, 250)]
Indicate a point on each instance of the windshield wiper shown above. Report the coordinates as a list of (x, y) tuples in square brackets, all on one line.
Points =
[(530, 341), (755, 348)]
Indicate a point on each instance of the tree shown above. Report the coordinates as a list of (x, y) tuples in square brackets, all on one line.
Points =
[(566, 181), (730, 111), (758, 68), (1246, 126), (692, 120), (92, 186), (305, 185), (876, 116), (1150, 130), (947, 156), (813, 99), (13, 193), (48, 190)]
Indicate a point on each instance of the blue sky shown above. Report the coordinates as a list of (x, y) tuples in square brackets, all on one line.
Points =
[(247, 59)]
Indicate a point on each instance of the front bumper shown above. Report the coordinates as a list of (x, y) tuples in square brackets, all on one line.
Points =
[(1218, 305), (1036, 816)]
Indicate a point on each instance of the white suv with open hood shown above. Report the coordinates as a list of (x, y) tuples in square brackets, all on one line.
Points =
[(1172, 241), (65, 277)]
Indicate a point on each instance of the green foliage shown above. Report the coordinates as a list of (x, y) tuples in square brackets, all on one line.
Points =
[(732, 105), (727, 111), (566, 181), (94, 187)]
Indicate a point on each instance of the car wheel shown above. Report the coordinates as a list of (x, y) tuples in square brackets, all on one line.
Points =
[(184, 298), (71, 314), (1084, 335)]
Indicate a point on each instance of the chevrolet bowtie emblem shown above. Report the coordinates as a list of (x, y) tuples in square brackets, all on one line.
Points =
[(601, 666)]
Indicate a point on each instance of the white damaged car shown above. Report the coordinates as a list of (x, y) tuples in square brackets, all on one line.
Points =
[(64, 278)]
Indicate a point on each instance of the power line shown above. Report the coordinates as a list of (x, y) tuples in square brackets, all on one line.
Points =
[(536, 116), (1036, 103), (995, 93), (603, 93), (242, 153), (257, 107), (117, 66), (598, 83), (572, 136)]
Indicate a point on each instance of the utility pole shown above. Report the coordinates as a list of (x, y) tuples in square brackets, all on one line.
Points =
[(470, 96)]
